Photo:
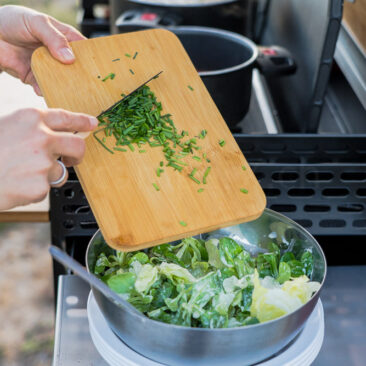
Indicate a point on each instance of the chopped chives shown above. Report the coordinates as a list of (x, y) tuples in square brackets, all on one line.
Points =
[(131, 71), (243, 190), (243, 167), (222, 143), (202, 134), (159, 171), (116, 59), (194, 179), (135, 55), (138, 120), (200, 190), (142, 151), (109, 76), (127, 55), (190, 88), (156, 187), (175, 166), (103, 139), (206, 174), (119, 149), (101, 142), (183, 223)]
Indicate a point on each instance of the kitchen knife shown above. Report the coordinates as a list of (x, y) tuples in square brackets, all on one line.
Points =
[(126, 96)]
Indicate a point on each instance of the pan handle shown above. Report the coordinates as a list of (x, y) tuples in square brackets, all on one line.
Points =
[(275, 61), (63, 258)]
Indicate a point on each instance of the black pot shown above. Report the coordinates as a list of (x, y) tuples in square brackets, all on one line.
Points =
[(225, 61)]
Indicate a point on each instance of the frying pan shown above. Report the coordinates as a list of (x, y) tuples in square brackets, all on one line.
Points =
[(182, 346)]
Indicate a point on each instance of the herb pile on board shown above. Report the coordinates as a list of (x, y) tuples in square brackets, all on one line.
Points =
[(209, 284), (138, 120)]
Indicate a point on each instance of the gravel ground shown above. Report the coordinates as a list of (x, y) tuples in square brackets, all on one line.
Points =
[(26, 295)]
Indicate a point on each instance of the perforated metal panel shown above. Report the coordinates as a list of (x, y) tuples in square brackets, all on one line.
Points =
[(318, 181)]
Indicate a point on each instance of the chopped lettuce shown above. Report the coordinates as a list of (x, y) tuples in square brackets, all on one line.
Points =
[(212, 284)]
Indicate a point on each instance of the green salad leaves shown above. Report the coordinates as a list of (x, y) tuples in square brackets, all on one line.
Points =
[(209, 284)]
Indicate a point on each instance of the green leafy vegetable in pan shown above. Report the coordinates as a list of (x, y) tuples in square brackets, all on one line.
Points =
[(210, 284)]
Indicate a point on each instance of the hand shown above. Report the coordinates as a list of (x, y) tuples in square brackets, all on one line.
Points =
[(31, 140), (22, 30)]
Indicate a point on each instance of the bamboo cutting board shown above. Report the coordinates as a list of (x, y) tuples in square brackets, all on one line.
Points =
[(130, 212)]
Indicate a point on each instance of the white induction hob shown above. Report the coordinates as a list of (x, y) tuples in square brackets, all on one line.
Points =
[(302, 351)]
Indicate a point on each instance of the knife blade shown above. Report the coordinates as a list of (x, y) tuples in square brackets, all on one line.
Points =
[(126, 96)]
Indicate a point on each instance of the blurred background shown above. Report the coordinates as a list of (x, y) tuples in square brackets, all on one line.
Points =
[(26, 285)]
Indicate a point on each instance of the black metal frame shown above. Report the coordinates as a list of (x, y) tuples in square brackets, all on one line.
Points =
[(297, 172)]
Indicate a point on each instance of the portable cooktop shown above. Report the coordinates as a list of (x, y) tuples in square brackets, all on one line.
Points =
[(301, 352)]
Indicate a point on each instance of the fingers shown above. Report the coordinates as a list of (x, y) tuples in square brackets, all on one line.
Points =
[(68, 146), (37, 89), (60, 120), (42, 28), (68, 31)]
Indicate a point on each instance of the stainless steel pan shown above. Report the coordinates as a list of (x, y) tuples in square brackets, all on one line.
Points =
[(182, 346)]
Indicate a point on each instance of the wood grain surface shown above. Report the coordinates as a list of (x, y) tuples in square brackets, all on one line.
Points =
[(130, 212), (354, 15)]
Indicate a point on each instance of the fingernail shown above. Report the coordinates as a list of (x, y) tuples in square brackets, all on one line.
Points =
[(67, 54), (93, 122)]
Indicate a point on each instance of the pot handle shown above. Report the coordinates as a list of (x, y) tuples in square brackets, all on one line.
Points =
[(275, 60)]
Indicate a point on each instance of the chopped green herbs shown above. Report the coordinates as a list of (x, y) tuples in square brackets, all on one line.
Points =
[(243, 190), (116, 59), (243, 167), (211, 284), (109, 76), (194, 179), (183, 223), (131, 71), (202, 134), (135, 55), (200, 190), (101, 142), (193, 172), (127, 55), (190, 88), (222, 143), (156, 187), (159, 171), (205, 174), (138, 120), (119, 149)]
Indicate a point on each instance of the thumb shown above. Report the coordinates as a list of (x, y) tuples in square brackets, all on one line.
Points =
[(53, 39)]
